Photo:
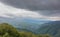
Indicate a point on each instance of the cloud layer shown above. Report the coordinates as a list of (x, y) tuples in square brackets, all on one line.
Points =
[(8, 11), (49, 8), (34, 4), (50, 12), (11, 12)]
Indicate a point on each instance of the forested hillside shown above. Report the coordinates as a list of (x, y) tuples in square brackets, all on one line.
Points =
[(52, 28), (6, 30)]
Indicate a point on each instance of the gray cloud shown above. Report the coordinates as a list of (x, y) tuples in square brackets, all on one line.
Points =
[(50, 12), (34, 4), (45, 7)]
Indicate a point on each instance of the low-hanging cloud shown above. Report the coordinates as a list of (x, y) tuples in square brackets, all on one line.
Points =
[(50, 13), (6, 11)]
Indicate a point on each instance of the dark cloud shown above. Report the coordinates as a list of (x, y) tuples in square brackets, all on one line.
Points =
[(34, 4), (8, 14), (50, 12), (45, 7)]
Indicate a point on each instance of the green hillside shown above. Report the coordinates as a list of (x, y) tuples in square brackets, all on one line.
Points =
[(6, 30), (52, 28)]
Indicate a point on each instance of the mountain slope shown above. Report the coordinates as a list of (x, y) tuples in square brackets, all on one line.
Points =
[(52, 28), (7, 30), (26, 23)]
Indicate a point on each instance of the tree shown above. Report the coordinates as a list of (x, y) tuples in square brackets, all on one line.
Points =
[(6, 30)]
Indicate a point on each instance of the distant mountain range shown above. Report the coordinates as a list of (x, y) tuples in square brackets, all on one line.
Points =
[(29, 23), (38, 26), (52, 28)]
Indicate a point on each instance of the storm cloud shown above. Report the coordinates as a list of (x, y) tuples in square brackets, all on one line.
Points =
[(50, 12), (47, 9), (34, 4)]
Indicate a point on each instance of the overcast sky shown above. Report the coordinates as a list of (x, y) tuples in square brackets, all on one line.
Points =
[(37, 9)]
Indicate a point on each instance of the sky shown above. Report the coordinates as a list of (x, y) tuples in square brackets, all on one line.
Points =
[(36, 9)]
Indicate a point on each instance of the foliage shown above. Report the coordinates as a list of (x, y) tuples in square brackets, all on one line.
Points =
[(6, 30)]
